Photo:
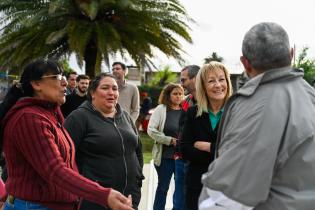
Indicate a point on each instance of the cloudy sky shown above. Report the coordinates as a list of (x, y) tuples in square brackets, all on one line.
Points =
[(221, 25)]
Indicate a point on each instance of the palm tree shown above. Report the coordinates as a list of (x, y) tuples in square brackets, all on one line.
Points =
[(213, 57), (94, 30), (163, 77)]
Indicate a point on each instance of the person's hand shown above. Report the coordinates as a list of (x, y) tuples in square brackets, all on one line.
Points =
[(203, 146), (129, 200), (118, 201), (174, 141)]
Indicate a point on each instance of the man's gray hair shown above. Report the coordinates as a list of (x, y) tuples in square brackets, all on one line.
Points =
[(192, 70), (266, 46)]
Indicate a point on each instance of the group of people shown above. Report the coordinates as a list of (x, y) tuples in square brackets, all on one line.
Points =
[(91, 160), (185, 132), (252, 150)]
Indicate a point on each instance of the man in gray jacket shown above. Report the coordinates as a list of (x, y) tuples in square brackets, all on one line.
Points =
[(266, 153)]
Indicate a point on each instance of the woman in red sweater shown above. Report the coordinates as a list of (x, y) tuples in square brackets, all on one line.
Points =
[(39, 153)]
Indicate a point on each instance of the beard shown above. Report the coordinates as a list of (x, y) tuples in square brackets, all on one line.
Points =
[(82, 90)]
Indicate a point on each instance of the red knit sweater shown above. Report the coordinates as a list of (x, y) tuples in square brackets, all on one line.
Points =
[(40, 158)]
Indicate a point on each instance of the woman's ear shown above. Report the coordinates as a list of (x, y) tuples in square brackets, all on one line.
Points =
[(92, 95), (36, 85)]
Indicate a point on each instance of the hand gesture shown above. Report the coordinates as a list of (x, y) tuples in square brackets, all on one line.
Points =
[(173, 141), (117, 201), (202, 145)]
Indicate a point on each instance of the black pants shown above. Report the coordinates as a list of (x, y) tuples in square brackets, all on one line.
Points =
[(192, 197)]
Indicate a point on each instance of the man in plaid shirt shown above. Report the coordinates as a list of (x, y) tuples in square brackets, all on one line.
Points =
[(187, 79)]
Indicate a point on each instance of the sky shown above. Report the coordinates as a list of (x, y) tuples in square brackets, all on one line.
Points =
[(221, 25)]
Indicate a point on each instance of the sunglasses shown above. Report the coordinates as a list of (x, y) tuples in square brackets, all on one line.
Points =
[(57, 77)]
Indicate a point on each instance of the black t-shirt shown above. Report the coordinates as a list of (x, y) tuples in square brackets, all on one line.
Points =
[(73, 101), (171, 127)]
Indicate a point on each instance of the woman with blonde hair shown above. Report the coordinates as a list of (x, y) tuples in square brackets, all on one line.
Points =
[(163, 128), (213, 88)]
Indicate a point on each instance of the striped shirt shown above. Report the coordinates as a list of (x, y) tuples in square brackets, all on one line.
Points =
[(40, 158)]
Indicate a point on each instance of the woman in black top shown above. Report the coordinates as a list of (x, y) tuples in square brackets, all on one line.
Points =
[(213, 88), (107, 144), (163, 128)]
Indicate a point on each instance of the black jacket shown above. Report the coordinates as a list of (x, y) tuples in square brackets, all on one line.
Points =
[(108, 151), (197, 129)]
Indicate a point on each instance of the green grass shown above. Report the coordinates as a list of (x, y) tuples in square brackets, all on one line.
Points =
[(147, 144)]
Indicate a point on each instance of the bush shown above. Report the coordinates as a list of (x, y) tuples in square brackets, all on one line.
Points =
[(153, 92)]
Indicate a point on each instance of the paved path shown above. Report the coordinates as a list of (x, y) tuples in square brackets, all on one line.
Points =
[(149, 188)]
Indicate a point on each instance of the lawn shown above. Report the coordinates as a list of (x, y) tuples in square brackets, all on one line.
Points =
[(147, 144)]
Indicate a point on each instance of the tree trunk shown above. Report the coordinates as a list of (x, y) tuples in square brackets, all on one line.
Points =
[(142, 70), (90, 55)]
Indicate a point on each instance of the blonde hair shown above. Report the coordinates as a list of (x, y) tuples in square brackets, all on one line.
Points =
[(165, 96), (201, 94)]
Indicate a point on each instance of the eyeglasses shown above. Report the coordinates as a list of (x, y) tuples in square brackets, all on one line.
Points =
[(57, 77)]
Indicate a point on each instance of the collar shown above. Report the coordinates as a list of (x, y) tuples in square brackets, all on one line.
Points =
[(219, 112), (122, 84), (269, 76)]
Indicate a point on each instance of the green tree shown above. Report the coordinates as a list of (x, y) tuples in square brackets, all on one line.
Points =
[(65, 64), (94, 30), (214, 57), (163, 77), (307, 64)]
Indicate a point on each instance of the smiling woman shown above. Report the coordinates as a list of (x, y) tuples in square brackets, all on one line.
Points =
[(36, 145), (213, 88), (107, 142)]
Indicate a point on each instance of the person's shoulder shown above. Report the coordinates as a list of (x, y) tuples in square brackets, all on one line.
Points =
[(188, 97), (125, 115), (131, 85), (70, 97), (82, 110), (160, 108)]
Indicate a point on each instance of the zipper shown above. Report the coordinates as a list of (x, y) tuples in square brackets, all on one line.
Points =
[(124, 158)]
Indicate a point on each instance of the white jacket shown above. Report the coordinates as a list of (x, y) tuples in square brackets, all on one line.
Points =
[(155, 131)]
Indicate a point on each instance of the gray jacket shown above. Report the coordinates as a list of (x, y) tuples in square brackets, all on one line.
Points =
[(266, 156)]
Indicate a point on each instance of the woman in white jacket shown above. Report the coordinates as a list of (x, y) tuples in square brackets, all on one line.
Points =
[(163, 128)]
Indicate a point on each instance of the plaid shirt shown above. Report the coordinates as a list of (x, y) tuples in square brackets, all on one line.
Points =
[(188, 102)]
